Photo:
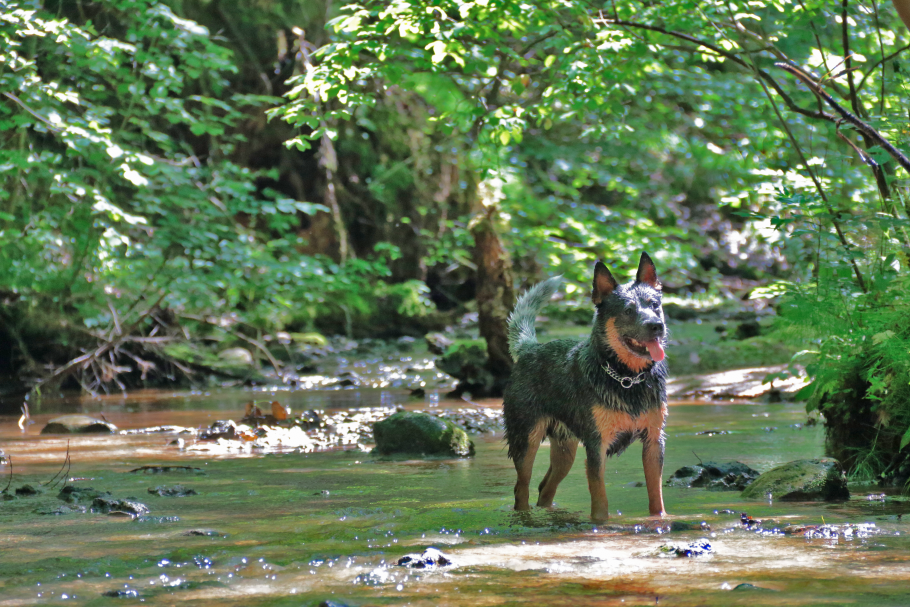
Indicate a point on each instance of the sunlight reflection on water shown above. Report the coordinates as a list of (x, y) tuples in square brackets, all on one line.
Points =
[(333, 524)]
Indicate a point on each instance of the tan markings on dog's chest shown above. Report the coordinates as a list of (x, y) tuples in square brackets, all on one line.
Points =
[(610, 423)]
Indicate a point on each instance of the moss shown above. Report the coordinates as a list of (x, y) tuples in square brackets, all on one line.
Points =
[(468, 363), (808, 479), (412, 432)]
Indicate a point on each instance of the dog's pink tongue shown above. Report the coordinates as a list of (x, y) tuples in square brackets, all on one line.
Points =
[(655, 350)]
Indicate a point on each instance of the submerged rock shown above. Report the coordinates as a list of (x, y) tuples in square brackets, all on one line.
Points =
[(173, 491), (477, 421), (61, 510), (105, 505), (801, 480), (222, 428), (699, 547), (411, 432), (167, 470), (430, 558), (847, 531), (154, 520), (202, 533), (127, 593), (160, 430), (78, 424), (26, 490), (73, 495), (748, 587), (725, 476)]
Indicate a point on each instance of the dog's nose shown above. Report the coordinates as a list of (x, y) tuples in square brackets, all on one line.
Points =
[(655, 328)]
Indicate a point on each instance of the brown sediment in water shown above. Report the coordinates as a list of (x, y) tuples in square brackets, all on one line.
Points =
[(292, 515)]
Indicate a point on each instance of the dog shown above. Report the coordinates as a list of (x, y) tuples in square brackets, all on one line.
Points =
[(604, 392)]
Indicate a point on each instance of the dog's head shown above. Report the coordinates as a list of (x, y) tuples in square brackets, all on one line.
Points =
[(629, 317)]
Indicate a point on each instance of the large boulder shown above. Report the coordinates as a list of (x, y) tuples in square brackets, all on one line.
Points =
[(437, 343), (726, 476), (802, 480), (237, 357), (469, 364), (412, 432), (78, 424)]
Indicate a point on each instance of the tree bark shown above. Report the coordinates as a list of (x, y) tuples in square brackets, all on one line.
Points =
[(495, 292), (903, 10)]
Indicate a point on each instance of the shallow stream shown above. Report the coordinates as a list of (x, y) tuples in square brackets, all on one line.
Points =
[(303, 528)]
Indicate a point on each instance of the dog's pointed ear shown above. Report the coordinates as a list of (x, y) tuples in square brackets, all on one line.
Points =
[(604, 283), (647, 273)]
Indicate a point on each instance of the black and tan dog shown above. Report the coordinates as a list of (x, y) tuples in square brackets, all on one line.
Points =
[(605, 391)]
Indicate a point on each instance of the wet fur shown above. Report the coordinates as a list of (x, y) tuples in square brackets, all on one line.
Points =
[(560, 389)]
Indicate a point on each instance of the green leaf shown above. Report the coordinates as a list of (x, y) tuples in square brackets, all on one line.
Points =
[(905, 440)]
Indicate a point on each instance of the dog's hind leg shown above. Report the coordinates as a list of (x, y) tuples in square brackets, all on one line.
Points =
[(524, 465), (562, 456)]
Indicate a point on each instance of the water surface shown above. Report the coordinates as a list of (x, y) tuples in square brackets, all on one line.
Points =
[(300, 528)]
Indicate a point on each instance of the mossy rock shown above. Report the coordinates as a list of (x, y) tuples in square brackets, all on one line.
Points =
[(78, 424), (231, 362), (413, 432), (309, 339), (237, 357), (802, 480), (467, 362)]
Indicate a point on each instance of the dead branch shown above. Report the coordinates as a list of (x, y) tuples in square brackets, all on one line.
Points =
[(84, 361), (62, 468), (254, 342)]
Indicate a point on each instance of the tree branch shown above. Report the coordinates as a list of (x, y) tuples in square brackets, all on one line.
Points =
[(861, 126), (44, 120), (883, 60), (89, 357), (792, 105)]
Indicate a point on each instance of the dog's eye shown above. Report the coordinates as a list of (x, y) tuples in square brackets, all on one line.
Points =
[(630, 312), (655, 304)]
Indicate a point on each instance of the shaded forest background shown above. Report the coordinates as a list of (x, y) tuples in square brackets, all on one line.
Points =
[(151, 201)]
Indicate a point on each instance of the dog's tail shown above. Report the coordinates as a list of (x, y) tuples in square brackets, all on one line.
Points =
[(521, 322)]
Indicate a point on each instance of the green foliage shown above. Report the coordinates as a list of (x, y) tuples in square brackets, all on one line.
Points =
[(860, 368), (603, 133), (132, 168), (103, 185), (120, 188)]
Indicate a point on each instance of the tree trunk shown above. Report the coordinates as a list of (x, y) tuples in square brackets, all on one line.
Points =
[(903, 11), (495, 293)]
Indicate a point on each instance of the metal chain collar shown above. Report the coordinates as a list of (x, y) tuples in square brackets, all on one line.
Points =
[(625, 382)]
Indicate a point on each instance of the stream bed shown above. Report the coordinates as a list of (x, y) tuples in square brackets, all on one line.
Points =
[(301, 528)]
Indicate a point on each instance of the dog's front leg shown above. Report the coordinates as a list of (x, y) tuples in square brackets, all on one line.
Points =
[(652, 458), (595, 464)]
